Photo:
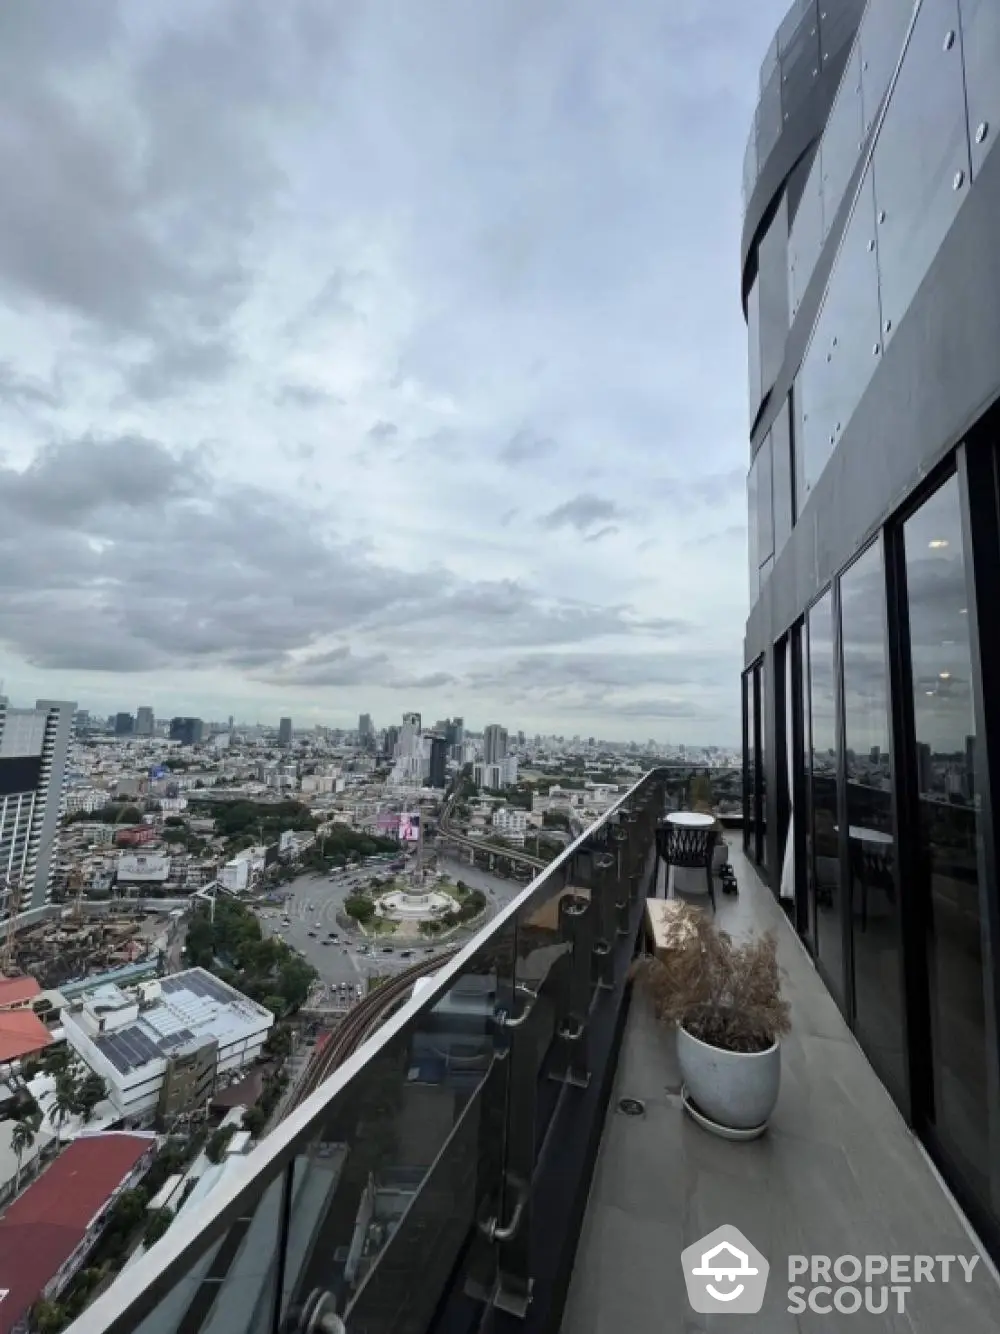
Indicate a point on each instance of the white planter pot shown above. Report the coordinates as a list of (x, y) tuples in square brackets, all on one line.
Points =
[(734, 1089)]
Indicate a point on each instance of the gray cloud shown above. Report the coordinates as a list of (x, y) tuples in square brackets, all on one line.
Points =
[(174, 365), (581, 513), (383, 431), (25, 391), (525, 446), (305, 396)]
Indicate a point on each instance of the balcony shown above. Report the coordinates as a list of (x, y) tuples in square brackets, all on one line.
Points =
[(468, 1168)]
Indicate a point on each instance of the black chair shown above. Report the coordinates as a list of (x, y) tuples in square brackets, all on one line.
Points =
[(690, 849)]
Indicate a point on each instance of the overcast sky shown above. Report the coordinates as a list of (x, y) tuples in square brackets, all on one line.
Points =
[(377, 356)]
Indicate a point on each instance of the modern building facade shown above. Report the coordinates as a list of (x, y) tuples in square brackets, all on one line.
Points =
[(494, 743), (145, 721), (124, 724), (437, 761), (871, 286), (188, 731), (285, 732), (34, 746)]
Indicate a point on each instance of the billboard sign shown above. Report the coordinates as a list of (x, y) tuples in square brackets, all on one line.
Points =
[(139, 867), (409, 828), (158, 771)]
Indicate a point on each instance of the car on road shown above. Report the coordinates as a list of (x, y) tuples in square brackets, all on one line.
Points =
[(386, 949), (334, 936), (313, 934), (325, 942), (405, 954)]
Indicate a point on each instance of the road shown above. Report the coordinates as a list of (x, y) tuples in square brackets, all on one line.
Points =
[(348, 959)]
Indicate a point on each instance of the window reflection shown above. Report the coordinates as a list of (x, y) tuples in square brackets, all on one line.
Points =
[(871, 859), (762, 751), (824, 858), (948, 879), (749, 769)]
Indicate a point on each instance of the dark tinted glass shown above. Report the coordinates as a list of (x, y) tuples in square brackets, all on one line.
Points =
[(844, 349), (753, 519), (949, 829), (749, 768), (765, 508), (762, 762), (753, 348), (921, 161), (825, 848), (772, 271), (805, 815), (871, 865), (769, 116), (981, 51), (781, 476), (806, 239), (799, 59)]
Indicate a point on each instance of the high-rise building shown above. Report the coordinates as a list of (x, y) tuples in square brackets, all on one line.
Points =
[(145, 721), (285, 732), (124, 724), (391, 741), (189, 731), (870, 283), (494, 743), (438, 758), (366, 731), (34, 745)]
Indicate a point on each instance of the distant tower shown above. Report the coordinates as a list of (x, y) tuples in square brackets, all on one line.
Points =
[(145, 721), (494, 743), (285, 732)]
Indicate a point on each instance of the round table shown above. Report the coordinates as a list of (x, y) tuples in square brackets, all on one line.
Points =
[(691, 882)]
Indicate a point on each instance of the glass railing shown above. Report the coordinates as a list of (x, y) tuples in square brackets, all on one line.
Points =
[(401, 1191), (929, 144)]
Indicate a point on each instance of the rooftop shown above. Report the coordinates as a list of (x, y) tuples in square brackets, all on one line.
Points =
[(45, 1225), (14, 990), (21, 1033)]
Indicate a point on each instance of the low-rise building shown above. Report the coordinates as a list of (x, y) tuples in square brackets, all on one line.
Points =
[(161, 1046), (48, 1232), (510, 824)]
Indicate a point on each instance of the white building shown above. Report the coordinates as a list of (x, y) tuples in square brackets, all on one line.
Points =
[(510, 824), (34, 745), (87, 799), (496, 776), (143, 868), (133, 1038)]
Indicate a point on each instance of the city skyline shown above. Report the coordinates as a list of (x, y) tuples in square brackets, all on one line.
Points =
[(409, 393)]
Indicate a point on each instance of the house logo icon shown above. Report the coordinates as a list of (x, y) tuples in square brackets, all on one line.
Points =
[(725, 1272)]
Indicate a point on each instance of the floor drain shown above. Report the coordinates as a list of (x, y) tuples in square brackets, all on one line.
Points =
[(631, 1107)]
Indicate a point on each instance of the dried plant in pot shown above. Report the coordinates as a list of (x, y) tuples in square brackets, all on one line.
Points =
[(725, 998)]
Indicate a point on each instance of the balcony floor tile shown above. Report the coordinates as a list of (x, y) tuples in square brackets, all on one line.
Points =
[(838, 1173)]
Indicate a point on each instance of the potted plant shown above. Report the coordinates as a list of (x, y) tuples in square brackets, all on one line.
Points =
[(725, 999)]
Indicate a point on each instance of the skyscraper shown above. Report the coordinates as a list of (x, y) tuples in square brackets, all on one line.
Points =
[(285, 732), (494, 743), (34, 744), (145, 721), (124, 724), (438, 756), (188, 731), (366, 731)]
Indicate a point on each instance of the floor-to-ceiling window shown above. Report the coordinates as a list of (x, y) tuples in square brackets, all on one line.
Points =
[(948, 829), (749, 767), (824, 850), (870, 871), (761, 695)]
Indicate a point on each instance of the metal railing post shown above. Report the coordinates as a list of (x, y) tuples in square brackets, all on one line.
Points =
[(569, 1063)]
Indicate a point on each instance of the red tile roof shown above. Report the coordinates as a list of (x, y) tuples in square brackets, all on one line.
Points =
[(21, 1033), (14, 990), (44, 1226)]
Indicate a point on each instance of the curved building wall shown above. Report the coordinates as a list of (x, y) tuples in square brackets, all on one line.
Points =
[(871, 284)]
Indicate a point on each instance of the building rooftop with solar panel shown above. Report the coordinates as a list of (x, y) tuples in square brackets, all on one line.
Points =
[(164, 1046)]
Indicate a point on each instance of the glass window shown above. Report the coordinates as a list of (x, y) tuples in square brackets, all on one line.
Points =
[(762, 763), (880, 39), (769, 117), (806, 239), (770, 62), (750, 164), (981, 52), (765, 512), (772, 284), (805, 816), (949, 829), (790, 28), (842, 140), (753, 346), (749, 768), (799, 64), (871, 860), (838, 24), (921, 160), (824, 843), (752, 537), (781, 476), (844, 348)]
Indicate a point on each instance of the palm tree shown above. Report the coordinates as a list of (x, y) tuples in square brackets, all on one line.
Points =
[(22, 1138), (65, 1102)]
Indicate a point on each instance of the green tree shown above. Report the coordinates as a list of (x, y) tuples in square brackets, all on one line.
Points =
[(48, 1317), (216, 1146), (128, 1212), (65, 1100), (360, 908), (254, 1120), (157, 1224), (90, 1092), (21, 1139)]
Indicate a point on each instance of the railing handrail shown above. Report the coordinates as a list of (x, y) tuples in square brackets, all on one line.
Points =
[(135, 1291)]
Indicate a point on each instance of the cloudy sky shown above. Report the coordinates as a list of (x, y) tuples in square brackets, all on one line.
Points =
[(375, 356)]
